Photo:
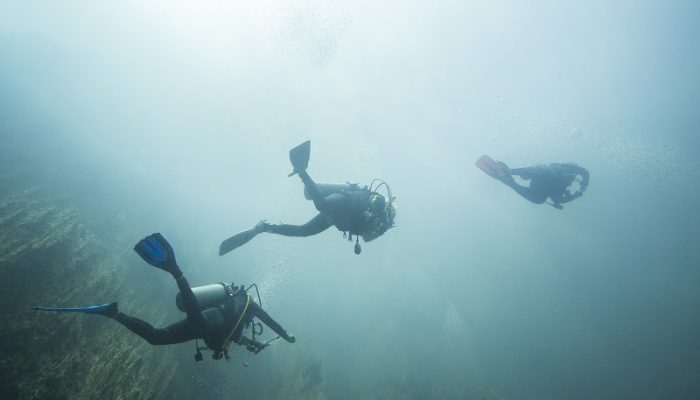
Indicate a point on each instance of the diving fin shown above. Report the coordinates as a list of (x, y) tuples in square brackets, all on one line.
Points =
[(240, 239), (493, 168), (107, 309), (299, 156), (155, 250)]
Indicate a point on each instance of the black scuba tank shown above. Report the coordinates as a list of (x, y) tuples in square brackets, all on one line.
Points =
[(207, 296), (327, 189)]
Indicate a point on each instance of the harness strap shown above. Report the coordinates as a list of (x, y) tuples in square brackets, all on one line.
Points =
[(229, 339)]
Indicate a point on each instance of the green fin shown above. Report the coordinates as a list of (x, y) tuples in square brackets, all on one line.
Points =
[(299, 156)]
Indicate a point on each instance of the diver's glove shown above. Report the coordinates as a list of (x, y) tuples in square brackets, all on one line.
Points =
[(155, 250)]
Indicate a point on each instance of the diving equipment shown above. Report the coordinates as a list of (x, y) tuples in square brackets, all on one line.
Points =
[(208, 296), (380, 217), (494, 169), (107, 309), (299, 156), (389, 207), (155, 250), (377, 202), (241, 238)]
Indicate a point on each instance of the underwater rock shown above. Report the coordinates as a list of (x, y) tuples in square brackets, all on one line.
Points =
[(48, 257)]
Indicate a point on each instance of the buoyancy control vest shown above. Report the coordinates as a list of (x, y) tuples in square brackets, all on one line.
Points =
[(360, 216), (224, 307)]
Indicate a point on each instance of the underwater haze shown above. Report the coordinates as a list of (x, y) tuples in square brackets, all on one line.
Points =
[(120, 119)]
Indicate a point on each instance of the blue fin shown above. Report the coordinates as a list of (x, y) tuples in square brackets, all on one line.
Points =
[(155, 250), (104, 309)]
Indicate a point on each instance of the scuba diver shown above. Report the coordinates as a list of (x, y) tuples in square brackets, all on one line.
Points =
[(216, 313), (354, 210), (561, 183)]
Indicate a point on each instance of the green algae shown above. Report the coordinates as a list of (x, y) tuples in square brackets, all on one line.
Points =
[(47, 256)]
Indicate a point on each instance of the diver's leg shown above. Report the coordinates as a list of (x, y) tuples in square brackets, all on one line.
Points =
[(256, 311), (316, 225), (315, 194), (530, 172), (529, 193), (521, 172), (194, 314), (176, 333)]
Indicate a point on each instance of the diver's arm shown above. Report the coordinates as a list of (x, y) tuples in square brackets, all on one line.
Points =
[(256, 311)]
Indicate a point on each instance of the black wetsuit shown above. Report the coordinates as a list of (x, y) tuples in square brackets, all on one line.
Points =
[(551, 181), (213, 325), (348, 210)]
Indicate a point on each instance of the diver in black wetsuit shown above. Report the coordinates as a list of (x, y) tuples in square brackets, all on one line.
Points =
[(354, 210), (219, 324), (561, 183)]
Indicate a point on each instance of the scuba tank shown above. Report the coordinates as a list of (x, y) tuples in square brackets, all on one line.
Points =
[(207, 296), (213, 295), (327, 189)]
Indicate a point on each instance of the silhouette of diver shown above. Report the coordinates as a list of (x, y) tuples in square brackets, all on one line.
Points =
[(219, 320), (561, 183), (354, 210)]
